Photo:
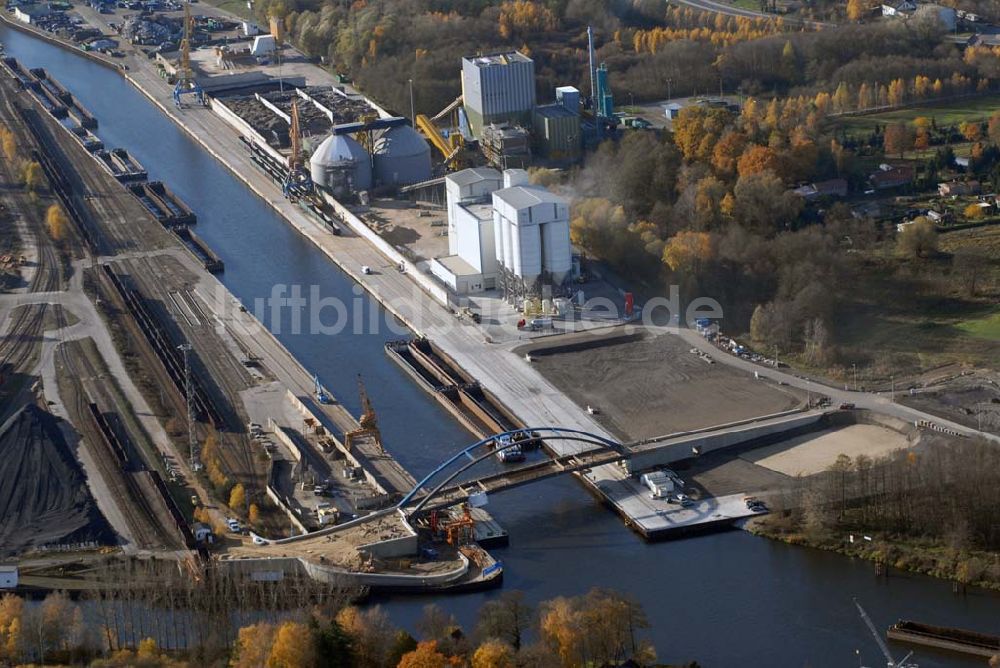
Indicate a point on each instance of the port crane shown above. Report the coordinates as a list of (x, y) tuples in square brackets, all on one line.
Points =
[(368, 422), (186, 83), (890, 662)]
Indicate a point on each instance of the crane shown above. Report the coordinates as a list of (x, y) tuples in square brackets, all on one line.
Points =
[(296, 175), (368, 422), (890, 662), (186, 83)]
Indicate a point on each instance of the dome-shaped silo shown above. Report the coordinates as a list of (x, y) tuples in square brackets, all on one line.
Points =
[(341, 165), (402, 157)]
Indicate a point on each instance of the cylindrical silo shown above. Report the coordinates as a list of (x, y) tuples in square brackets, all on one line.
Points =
[(558, 259), (341, 165), (529, 243), (402, 157)]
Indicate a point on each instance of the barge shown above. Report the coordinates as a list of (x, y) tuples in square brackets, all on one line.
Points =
[(122, 166), (166, 207), (962, 641), (208, 258)]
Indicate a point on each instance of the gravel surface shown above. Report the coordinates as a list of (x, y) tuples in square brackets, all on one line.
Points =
[(43, 498), (653, 385)]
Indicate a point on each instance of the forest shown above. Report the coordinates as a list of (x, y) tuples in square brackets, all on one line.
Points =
[(934, 509), (601, 628)]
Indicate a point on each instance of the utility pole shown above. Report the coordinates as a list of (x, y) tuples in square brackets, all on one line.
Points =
[(892, 388), (855, 367), (669, 95), (413, 113), (189, 399)]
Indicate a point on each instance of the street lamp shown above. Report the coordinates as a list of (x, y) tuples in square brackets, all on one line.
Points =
[(855, 367), (413, 115)]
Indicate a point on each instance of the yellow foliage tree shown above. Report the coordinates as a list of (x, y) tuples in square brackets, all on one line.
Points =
[(426, 655), (974, 211), (855, 10), (686, 251), (32, 175), (56, 222), (9, 144), (238, 497), (493, 653), (253, 646), (524, 17), (11, 620), (757, 159), (294, 647), (971, 130), (253, 515)]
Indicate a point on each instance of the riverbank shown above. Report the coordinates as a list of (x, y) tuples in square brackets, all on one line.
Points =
[(964, 568)]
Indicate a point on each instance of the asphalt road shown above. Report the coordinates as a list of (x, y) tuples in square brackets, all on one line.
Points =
[(729, 10)]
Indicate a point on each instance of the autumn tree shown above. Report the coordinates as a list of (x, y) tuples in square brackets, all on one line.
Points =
[(426, 655), (993, 128), (917, 239), (971, 130), (855, 10), (253, 514), (32, 175), (897, 139), (294, 647), (253, 646), (922, 137), (757, 159), (238, 497), (493, 654), (687, 251), (524, 17), (763, 204), (9, 144), (56, 222), (974, 211), (372, 634), (11, 621)]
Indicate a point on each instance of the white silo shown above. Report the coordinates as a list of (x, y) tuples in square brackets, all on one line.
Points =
[(401, 157), (557, 253), (341, 165)]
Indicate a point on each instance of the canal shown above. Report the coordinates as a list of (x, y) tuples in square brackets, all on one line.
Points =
[(725, 599)]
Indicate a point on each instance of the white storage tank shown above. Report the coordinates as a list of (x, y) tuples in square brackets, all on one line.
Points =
[(528, 245), (402, 157), (341, 165), (558, 252)]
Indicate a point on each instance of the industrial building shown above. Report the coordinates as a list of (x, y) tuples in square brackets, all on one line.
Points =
[(498, 88), (557, 132), (341, 165), (504, 233)]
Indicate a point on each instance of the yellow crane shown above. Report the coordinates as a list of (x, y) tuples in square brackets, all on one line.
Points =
[(368, 421), (450, 147), (186, 84)]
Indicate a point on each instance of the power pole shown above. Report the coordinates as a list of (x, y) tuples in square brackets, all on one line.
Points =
[(413, 113), (189, 400)]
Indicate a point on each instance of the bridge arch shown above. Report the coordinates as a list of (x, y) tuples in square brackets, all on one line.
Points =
[(546, 433)]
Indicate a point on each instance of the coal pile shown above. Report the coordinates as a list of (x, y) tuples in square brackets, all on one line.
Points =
[(44, 498), (312, 121)]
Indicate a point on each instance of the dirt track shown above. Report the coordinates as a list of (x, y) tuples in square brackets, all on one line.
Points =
[(43, 498), (653, 385)]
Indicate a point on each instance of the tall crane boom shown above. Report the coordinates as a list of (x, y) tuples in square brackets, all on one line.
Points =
[(186, 83), (294, 159), (890, 662)]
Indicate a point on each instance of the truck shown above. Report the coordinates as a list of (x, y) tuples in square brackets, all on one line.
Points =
[(659, 483), (507, 450)]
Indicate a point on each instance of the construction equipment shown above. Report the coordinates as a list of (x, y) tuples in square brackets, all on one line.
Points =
[(461, 531), (890, 662), (322, 395), (186, 83), (368, 422), (451, 148), (297, 178)]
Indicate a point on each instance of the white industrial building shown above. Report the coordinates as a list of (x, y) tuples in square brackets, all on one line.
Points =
[(498, 88), (503, 233)]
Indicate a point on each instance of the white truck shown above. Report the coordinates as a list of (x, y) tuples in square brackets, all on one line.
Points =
[(659, 483)]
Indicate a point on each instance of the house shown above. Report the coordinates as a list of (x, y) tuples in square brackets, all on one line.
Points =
[(30, 14), (8, 577), (820, 189), (672, 110), (902, 8), (959, 188), (892, 177)]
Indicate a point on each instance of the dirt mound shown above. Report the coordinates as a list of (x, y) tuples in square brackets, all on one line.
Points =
[(44, 498)]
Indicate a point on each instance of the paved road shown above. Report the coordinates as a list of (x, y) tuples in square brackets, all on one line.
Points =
[(730, 10)]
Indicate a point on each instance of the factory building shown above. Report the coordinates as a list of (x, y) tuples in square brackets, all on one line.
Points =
[(557, 132), (531, 232), (498, 88), (503, 233)]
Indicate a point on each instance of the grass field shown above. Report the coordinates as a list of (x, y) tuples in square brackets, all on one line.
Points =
[(948, 113), (237, 7), (983, 328)]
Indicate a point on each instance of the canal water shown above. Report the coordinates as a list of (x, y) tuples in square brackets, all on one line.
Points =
[(723, 600)]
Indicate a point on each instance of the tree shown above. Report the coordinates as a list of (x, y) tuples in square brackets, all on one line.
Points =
[(426, 655), (294, 647), (897, 139), (253, 646), (855, 10), (763, 204), (493, 654), (918, 238), (971, 130), (687, 251), (253, 515), (238, 497), (974, 211), (970, 263), (9, 144), (372, 635), (757, 159), (11, 621), (506, 618), (922, 140), (993, 129), (56, 222), (32, 175)]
